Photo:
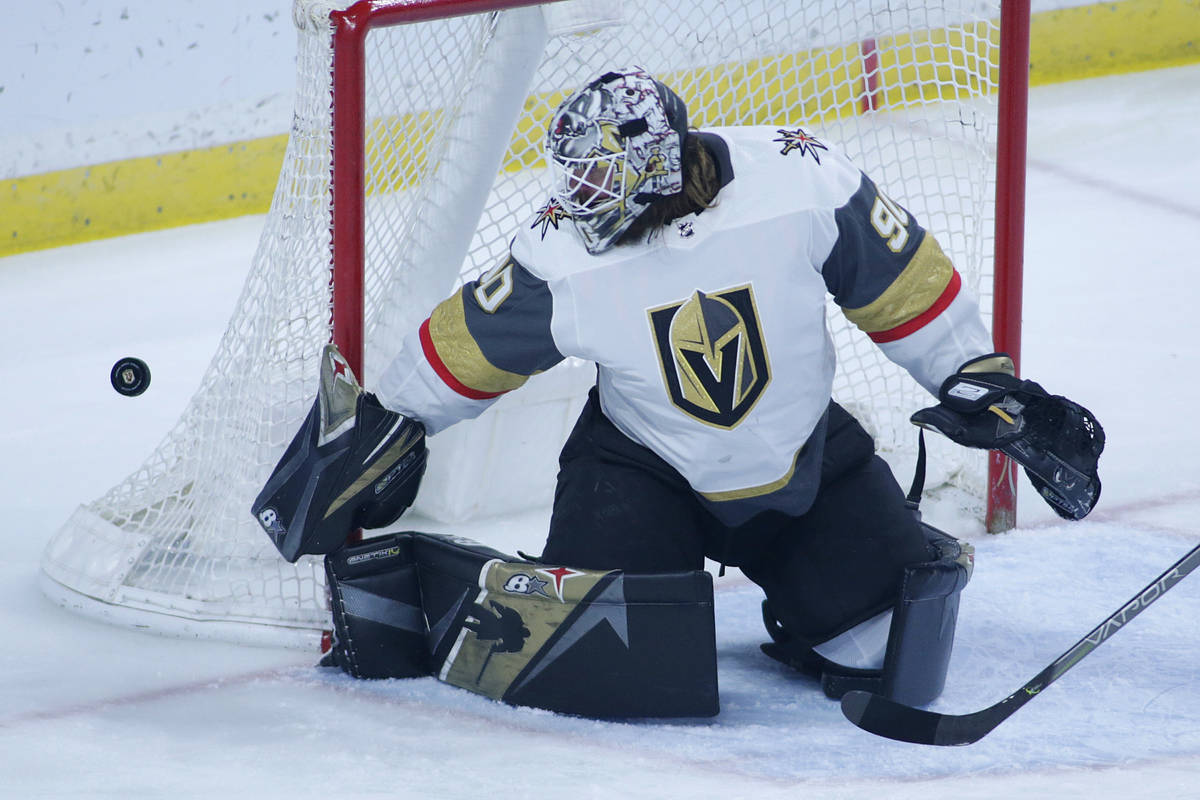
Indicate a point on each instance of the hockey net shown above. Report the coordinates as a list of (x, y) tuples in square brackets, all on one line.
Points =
[(437, 161)]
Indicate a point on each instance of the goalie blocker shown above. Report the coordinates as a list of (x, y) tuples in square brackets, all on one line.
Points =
[(598, 644)]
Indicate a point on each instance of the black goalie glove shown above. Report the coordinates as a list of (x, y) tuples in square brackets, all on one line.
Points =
[(1058, 442), (353, 464)]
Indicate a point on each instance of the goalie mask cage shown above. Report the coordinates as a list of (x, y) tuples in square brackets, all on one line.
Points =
[(414, 154)]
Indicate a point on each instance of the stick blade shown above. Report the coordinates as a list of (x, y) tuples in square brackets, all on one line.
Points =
[(883, 717)]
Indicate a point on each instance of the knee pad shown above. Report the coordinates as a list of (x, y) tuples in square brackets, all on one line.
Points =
[(913, 638), (594, 643)]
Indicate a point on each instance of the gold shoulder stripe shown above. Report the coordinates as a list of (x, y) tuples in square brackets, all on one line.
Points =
[(913, 291), (460, 353)]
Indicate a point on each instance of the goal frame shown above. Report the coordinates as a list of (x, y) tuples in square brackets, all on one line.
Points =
[(348, 186), (348, 254)]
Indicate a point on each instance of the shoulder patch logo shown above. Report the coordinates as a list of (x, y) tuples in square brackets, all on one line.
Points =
[(549, 216), (801, 140), (711, 351)]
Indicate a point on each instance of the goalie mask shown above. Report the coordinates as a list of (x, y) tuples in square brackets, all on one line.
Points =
[(614, 147)]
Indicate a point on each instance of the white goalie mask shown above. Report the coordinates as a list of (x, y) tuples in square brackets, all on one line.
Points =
[(613, 147)]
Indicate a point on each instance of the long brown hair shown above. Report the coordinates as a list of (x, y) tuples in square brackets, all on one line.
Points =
[(700, 185)]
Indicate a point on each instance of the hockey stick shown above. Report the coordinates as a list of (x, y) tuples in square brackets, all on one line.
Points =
[(892, 720)]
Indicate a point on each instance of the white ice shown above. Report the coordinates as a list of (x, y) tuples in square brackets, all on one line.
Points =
[(1112, 291)]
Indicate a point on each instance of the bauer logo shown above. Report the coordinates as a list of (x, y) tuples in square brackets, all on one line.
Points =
[(713, 358), (967, 391), (386, 480)]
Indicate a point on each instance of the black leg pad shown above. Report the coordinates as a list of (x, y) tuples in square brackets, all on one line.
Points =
[(924, 620), (379, 628), (575, 641), (920, 638)]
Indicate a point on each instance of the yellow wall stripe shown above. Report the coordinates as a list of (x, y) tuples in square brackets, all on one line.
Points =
[(1113, 38), (141, 194)]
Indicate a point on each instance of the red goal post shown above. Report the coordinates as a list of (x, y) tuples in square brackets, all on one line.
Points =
[(1009, 254), (412, 157)]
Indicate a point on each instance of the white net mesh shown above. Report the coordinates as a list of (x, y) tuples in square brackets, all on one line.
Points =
[(907, 92)]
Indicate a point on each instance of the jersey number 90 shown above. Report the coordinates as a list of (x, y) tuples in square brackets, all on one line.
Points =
[(494, 286), (891, 222)]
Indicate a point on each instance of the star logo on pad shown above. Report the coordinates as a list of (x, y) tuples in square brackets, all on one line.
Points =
[(560, 574)]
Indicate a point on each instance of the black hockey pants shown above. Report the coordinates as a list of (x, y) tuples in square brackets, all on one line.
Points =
[(618, 505)]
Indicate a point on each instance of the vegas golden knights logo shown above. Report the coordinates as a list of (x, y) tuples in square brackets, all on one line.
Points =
[(712, 355)]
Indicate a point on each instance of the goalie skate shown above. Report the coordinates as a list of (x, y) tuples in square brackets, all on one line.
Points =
[(353, 464)]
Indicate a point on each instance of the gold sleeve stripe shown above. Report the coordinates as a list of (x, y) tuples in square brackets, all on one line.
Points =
[(917, 288), (925, 317), (455, 355)]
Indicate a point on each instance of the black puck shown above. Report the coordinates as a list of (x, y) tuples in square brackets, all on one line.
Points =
[(130, 376)]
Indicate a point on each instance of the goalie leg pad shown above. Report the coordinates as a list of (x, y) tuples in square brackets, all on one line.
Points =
[(924, 622), (588, 642), (378, 625), (574, 641), (920, 633)]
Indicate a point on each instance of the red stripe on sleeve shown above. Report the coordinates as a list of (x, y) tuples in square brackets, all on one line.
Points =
[(925, 317), (443, 372)]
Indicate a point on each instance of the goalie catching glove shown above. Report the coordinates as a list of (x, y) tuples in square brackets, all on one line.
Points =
[(1058, 442), (353, 464)]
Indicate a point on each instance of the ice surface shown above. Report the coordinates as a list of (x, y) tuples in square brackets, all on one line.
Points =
[(1112, 290)]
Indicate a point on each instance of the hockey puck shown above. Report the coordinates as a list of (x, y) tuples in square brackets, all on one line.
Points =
[(130, 376)]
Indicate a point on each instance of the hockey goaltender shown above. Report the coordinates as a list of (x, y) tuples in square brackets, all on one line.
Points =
[(692, 267)]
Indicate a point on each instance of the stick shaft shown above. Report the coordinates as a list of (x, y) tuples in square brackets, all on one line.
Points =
[(893, 720), (1102, 632)]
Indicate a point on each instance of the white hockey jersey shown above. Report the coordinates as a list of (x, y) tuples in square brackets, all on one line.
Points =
[(710, 337)]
